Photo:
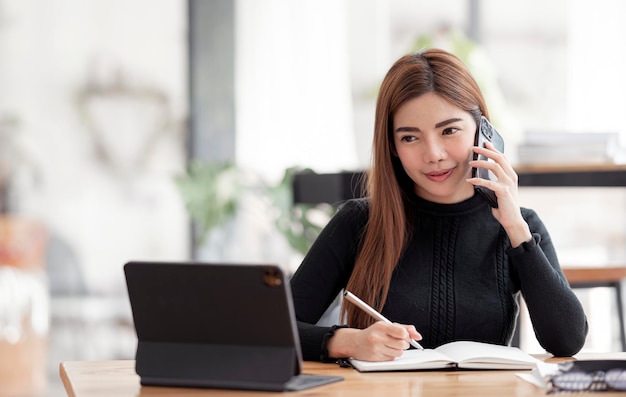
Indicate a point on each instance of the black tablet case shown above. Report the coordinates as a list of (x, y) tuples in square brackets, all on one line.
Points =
[(215, 325)]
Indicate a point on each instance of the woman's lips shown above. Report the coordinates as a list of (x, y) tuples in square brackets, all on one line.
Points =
[(438, 176)]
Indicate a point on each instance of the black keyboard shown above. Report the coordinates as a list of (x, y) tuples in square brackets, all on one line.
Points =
[(305, 381)]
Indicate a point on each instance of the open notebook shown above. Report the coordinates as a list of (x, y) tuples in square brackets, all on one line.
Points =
[(462, 354), (216, 325)]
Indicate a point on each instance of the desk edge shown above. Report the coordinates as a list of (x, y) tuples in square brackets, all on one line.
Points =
[(67, 383)]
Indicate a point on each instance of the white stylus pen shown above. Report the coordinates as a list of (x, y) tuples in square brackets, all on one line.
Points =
[(369, 310)]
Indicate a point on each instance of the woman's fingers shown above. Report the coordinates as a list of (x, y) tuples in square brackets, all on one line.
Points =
[(384, 342)]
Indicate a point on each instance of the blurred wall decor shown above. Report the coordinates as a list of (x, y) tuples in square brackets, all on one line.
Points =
[(125, 121), (94, 96)]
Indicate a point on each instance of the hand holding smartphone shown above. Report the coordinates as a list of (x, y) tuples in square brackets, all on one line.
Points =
[(486, 133)]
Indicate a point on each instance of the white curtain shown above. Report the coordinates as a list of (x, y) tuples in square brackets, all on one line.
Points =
[(596, 58), (293, 100)]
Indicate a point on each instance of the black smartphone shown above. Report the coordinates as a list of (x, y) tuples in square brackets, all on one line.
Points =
[(486, 133)]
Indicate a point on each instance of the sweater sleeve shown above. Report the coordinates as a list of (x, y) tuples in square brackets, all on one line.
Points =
[(557, 316), (323, 273)]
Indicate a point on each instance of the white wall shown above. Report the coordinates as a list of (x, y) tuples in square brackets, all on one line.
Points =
[(130, 60), (293, 100), (595, 62)]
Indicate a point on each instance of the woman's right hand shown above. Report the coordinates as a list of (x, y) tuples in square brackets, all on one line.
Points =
[(378, 342)]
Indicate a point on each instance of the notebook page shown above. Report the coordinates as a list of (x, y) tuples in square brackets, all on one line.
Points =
[(410, 359), (463, 351)]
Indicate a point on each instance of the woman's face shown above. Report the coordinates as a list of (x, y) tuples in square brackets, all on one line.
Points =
[(434, 140)]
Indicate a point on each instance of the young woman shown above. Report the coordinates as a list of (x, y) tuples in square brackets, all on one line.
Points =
[(423, 248)]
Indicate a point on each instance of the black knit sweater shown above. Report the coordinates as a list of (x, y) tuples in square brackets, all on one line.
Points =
[(458, 279)]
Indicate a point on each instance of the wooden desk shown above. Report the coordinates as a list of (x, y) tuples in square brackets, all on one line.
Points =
[(118, 378), (581, 276), (573, 175)]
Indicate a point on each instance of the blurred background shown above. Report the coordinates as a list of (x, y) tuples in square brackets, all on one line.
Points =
[(171, 129)]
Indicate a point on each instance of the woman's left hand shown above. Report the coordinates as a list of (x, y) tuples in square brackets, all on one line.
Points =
[(508, 212)]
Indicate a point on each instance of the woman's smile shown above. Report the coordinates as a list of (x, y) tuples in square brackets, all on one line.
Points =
[(439, 176)]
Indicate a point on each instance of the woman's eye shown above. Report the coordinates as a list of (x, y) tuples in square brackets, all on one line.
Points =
[(408, 138), (450, 131)]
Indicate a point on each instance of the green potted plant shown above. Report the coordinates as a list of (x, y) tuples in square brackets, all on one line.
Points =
[(211, 192)]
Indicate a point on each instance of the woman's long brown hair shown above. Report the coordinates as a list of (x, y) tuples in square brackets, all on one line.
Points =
[(388, 186)]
